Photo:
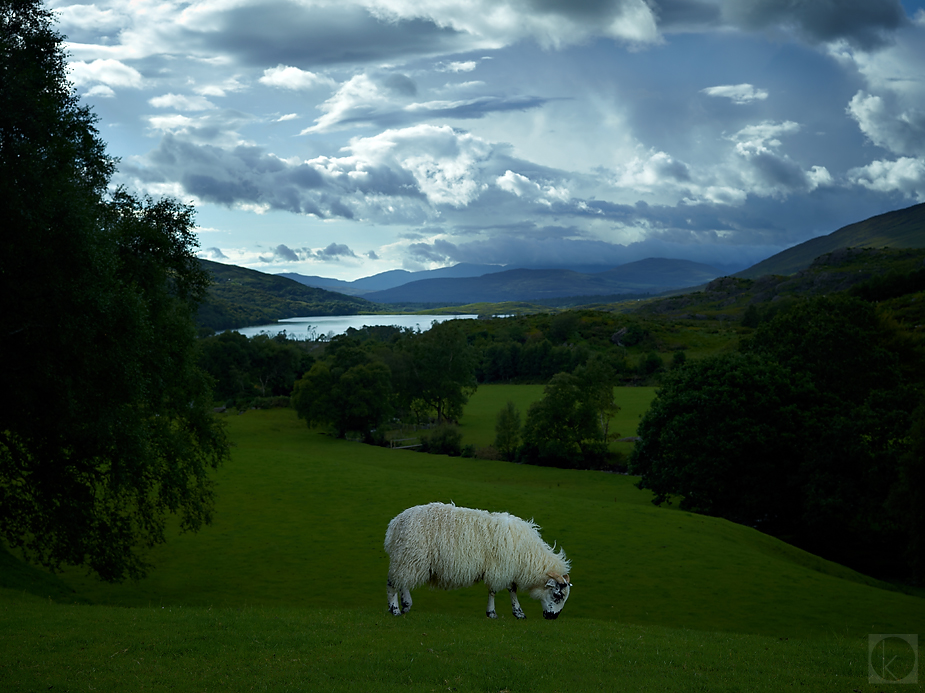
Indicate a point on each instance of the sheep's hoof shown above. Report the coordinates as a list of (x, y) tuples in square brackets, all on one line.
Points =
[(519, 614), (491, 614), (394, 611)]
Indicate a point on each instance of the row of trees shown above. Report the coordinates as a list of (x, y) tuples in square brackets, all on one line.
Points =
[(501, 350), (247, 369), (360, 385), (105, 424), (811, 431)]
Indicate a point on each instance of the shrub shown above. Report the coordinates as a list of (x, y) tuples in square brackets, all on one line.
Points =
[(443, 440)]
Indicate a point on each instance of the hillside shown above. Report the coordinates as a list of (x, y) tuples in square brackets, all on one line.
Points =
[(242, 297), (840, 270), (276, 514), (653, 275), (903, 228)]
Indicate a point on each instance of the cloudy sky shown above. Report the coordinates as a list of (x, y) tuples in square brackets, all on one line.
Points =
[(343, 138)]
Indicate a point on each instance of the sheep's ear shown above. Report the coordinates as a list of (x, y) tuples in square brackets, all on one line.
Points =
[(568, 581), (554, 576)]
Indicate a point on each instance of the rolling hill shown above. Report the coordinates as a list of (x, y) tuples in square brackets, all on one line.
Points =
[(241, 297), (903, 228)]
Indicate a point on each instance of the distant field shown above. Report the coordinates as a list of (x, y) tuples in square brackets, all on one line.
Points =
[(287, 590), (481, 414)]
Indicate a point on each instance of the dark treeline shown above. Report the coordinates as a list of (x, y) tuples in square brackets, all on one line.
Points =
[(532, 349), (528, 349), (812, 431), (254, 372)]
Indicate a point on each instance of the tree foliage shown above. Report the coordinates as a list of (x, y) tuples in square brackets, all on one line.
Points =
[(724, 434), (807, 434), (245, 368), (106, 426), (562, 429), (507, 431), (355, 398), (362, 381), (441, 369)]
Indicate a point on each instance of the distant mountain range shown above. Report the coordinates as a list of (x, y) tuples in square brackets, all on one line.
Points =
[(651, 276), (246, 297), (467, 283), (471, 283), (391, 279)]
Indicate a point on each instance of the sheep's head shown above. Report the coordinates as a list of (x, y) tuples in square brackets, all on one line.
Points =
[(554, 594)]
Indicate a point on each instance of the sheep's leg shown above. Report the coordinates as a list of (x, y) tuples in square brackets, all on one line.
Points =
[(393, 598), (405, 600), (490, 610), (515, 605)]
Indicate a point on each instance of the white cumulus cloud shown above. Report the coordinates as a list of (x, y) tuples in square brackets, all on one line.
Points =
[(737, 93), (112, 73), (288, 77), (888, 125), (180, 102), (904, 175)]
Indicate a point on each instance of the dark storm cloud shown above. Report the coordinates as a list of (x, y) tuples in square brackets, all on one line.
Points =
[(213, 254), (334, 252), (866, 24), (284, 32), (478, 107), (250, 175), (587, 254), (400, 84), (387, 100), (285, 253), (779, 172), (686, 14), (438, 251), (240, 175)]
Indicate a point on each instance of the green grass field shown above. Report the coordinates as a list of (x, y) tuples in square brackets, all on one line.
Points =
[(286, 590)]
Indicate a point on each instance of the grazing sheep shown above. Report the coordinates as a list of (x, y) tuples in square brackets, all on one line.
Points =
[(450, 547)]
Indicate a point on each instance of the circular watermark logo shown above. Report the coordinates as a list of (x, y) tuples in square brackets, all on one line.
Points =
[(893, 658)]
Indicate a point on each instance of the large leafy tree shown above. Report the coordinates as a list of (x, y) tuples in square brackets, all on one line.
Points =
[(563, 429), (105, 424), (348, 399), (440, 370)]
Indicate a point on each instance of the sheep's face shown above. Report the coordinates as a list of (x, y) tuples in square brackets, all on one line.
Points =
[(554, 594)]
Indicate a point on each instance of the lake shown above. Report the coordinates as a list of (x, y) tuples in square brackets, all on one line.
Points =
[(332, 325)]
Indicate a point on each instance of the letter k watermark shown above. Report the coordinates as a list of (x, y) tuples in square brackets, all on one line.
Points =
[(893, 658)]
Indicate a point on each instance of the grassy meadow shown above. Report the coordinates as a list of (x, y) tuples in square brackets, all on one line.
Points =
[(286, 590)]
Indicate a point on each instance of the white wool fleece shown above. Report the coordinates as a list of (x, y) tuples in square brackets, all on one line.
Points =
[(450, 547)]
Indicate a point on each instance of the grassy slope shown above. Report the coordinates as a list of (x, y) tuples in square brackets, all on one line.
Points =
[(297, 509), (286, 591)]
